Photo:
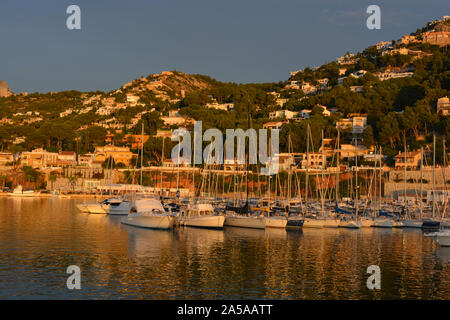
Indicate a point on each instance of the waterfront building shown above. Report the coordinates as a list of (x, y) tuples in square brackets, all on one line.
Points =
[(39, 158), (121, 155), (350, 150), (85, 159), (411, 160), (67, 158)]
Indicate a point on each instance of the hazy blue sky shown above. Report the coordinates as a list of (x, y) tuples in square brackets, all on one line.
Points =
[(230, 40)]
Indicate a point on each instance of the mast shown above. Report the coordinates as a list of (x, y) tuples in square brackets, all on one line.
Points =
[(434, 180), (404, 184), (142, 150), (307, 169), (162, 165), (356, 179), (246, 158), (381, 159), (421, 182), (323, 184), (445, 181), (338, 168)]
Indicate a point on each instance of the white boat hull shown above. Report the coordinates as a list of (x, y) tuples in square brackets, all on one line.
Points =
[(350, 224), (366, 223), (24, 195), (121, 209), (91, 208), (331, 223), (245, 222), (398, 224), (152, 222), (312, 223), (215, 222), (276, 222), (412, 224), (383, 223)]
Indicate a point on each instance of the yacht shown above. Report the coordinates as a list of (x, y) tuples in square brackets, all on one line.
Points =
[(149, 213), (202, 215), (19, 192), (117, 206)]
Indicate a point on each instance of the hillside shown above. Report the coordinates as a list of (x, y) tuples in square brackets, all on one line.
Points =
[(395, 85)]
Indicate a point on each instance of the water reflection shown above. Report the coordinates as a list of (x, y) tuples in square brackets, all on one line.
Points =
[(39, 238)]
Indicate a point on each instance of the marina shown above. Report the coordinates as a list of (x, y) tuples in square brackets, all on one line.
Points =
[(42, 236)]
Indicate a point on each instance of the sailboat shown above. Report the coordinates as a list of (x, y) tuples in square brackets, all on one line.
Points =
[(202, 215), (241, 216), (412, 223), (351, 221), (432, 223)]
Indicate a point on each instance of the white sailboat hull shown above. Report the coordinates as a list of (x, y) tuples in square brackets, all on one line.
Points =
[(215, 222), (398, 224), (383, 223), (312, 223), (331, 223), (148, 221), (350, 224), (245, 222), (276, 222), (366, 223)]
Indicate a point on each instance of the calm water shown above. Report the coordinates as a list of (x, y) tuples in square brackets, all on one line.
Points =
[(40, 238)]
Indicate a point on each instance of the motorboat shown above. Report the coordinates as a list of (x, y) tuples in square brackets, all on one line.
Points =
[(202, 215), (149, 213), (20, 192), (117, 206)]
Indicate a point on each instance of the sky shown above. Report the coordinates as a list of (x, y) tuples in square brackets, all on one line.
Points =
[(238, 41)]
